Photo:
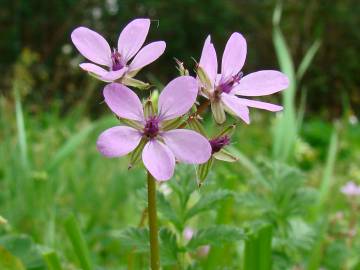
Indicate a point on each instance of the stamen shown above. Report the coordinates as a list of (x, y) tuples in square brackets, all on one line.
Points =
[(151, 128), (228, 85), (218, 143), (117, 62)]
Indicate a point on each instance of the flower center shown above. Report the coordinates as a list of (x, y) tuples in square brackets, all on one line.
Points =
[(117, 62), (218, 143), (151, 128), (228, 85)]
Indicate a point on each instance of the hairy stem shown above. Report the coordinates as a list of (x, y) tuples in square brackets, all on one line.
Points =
[(154, 241)]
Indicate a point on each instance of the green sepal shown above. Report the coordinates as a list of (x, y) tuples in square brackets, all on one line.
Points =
[(218, 112), (173, 123), (228, 131), (135, 83), (204, 78), (149, 109), (132, 123), (195, 124), (136, 154), (203, 171), (224, 155)]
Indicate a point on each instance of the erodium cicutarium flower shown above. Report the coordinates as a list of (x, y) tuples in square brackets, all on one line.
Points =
[(162, 146), (223, 89), (117, 60)]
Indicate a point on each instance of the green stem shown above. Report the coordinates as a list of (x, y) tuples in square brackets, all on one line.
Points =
[(154, 243)]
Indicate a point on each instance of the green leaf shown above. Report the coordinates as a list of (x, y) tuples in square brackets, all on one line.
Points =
[(208, 202), (327, 178), (24, 248), (21, 131), (70, 146), (168, 247), (215, 235), (52, 261), (9, 261), (78, 242), (167, 211), (137, 238), (258, 250), (308, 58)]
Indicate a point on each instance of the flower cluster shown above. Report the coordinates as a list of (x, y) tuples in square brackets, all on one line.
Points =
[(156, 130)]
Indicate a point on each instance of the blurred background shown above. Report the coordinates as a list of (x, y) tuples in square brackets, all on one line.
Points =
[(51, 113)]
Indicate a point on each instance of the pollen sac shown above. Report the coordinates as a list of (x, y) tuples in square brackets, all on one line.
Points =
[(151, 128)]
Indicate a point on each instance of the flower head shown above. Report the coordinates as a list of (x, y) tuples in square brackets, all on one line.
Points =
[(162, 146), (351, 189), (223, 89), (96, 49)]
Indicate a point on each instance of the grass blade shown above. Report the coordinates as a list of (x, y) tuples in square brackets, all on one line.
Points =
[(327, 178), (52, 261), (257, 253), (78, 242), (308, 58), (20, 124)]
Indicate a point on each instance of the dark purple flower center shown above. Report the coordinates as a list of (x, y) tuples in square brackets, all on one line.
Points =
[(228, 85), (117, 62), (151, 128), (218, 143)]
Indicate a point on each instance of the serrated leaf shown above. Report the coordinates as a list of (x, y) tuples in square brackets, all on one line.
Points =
[(216, 235), (9, 261), (208, 202), (168, 247), (137, 238), (167, 211)]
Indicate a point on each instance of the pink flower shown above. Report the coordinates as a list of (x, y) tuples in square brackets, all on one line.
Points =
[(223, 89), (162, 146), (351, 189), (95, 48)]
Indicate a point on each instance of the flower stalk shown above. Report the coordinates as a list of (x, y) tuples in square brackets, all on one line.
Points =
[(153, 227)]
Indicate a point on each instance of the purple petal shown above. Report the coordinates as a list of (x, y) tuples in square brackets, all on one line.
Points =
[(177, 97), (234, 55), (133, 37), (92, 46), (147, 55), (158, 160), (123, 102), (208, 60), (111, 76), (261, 83), (94, 69), (118, 141), (234, 106), (260, 105), (188, 146)]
